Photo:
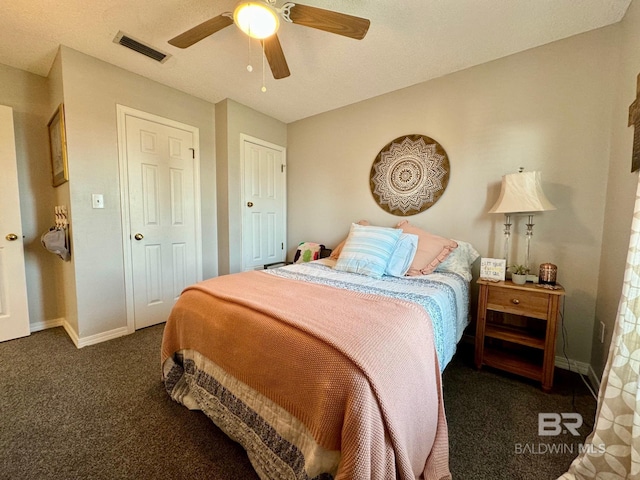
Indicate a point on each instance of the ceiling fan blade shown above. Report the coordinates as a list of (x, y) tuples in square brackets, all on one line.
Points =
[(201, 31), (329, 21), (275, 57)]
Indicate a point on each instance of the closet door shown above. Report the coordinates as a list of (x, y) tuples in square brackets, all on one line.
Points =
[(14, 312), (264, 220), (162, 223)]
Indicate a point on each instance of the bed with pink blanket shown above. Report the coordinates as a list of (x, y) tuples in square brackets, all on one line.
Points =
[(321, 374)]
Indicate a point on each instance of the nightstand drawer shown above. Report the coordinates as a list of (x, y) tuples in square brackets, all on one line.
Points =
[(518, 302)]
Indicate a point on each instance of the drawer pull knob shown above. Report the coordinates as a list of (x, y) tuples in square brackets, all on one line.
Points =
[(515, 301)]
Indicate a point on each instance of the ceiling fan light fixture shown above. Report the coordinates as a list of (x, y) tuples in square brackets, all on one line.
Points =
[(256, 19)]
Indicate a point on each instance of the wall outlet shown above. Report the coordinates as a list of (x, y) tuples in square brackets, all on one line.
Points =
[(602, 330)]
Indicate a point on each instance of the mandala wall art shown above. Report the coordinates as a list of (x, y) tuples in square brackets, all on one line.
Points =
[(409, 175)]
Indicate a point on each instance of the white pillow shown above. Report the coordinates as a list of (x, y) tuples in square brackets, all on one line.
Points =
[(367, 250), (459, 260), (402, 256)]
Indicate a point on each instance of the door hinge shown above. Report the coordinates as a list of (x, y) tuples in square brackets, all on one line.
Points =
[(193, 152), (282, 168), (282, 246)]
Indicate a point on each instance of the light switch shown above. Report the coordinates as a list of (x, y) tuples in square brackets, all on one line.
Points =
[(97, 200)]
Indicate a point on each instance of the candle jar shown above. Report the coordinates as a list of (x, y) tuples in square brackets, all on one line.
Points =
[(548, 273)]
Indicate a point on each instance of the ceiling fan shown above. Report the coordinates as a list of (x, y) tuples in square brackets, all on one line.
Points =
[(261, 19)]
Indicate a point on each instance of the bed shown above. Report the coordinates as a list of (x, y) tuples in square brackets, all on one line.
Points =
[(337, 375)]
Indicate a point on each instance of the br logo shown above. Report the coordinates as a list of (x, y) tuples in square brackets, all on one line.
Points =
[(553, 424)]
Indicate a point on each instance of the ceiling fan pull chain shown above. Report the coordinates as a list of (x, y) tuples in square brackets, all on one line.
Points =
[(264, 88), (249, 67)]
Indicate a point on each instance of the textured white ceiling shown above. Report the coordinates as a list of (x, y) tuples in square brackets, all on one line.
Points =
[(409, 41)]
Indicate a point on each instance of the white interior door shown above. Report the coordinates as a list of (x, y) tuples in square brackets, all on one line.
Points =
[(163, 206), (264, 203), (14, 310)]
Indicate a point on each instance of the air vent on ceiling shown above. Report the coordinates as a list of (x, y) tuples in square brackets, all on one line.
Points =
[(126, 41)]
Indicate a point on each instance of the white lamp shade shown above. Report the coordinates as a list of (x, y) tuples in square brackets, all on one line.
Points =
[(520, 193), (256, 19)]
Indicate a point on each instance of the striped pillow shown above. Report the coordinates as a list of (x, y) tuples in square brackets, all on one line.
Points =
[(368, 249)]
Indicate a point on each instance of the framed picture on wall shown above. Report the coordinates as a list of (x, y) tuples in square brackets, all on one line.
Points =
[(58, 146)]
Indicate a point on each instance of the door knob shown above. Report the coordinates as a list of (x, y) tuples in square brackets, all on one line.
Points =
[(11, 237), (249, 204), (138, 236)]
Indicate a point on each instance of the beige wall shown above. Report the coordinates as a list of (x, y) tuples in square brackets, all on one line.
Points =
[(232, 119), (621, 189), (92, 89), (65, 275), (546, 109), (27, 94)]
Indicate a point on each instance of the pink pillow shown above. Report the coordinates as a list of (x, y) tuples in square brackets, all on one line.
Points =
[(336, 251), (432, 249)]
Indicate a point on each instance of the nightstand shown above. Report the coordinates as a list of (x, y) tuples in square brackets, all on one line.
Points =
[(516, 329)]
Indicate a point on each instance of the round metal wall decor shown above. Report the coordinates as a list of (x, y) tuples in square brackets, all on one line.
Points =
[(409, 175)]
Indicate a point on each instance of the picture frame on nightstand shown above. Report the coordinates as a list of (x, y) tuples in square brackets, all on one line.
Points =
[(493, 269)]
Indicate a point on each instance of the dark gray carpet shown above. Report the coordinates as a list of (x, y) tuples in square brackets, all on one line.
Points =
[(101, 412), (493, 422)]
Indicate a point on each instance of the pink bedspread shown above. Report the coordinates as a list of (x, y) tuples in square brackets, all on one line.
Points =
[(360, 371)]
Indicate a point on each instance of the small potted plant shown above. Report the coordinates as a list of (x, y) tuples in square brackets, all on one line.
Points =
[(518, 274)]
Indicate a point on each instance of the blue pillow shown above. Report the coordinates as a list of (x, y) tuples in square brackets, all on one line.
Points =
[(367, 250), (402, 256), (460, 260)]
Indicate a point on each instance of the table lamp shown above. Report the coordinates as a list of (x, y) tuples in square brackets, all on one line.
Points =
[(520, 193)]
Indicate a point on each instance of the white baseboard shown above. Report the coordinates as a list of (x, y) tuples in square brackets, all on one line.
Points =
[(582, 368), (573, 365), (80, 342), (71, 332), (77, 341), (38, 326), (102, 337), (594, 379)]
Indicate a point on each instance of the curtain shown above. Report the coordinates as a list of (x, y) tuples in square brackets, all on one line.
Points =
[(612, 450)]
